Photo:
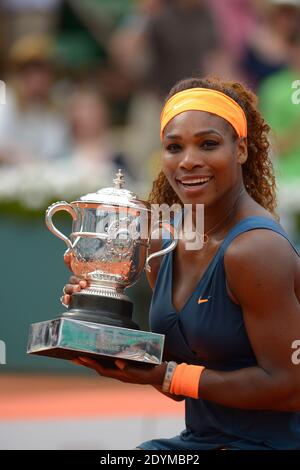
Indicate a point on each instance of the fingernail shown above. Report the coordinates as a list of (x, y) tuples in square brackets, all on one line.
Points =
[(120, 364), (82, 283), (84, 359)]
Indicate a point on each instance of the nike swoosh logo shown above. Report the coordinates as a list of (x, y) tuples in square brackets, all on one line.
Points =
[(201, 301)]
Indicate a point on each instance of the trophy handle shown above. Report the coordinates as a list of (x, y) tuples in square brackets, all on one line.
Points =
[(166, 250), (60, 206)]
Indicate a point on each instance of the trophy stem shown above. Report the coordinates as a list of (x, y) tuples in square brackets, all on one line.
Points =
[(103, 310)]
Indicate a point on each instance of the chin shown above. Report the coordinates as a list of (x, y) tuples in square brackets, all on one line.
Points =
[(196, 199)]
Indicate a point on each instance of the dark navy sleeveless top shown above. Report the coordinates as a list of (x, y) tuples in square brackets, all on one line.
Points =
[(213, 334)]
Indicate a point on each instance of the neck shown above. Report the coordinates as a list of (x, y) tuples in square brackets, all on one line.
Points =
[(219, 216)]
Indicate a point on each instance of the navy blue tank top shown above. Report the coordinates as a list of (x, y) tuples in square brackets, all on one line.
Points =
[(213, 334)]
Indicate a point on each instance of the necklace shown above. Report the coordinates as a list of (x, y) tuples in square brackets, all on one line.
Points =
[(204, 238)]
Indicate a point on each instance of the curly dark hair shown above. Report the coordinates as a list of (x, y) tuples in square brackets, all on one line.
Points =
[(258, 173)]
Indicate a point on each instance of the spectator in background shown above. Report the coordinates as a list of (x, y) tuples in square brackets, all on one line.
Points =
[(235, 20), (93, 149), (267, 48), (25, 16), (162, 42), (181, 39), (31, 128), (128, 46), (280, 105), (283, 114), (19, 18), (130, 52)]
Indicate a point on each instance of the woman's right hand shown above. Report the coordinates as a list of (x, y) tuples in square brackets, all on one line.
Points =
[(75, 285)]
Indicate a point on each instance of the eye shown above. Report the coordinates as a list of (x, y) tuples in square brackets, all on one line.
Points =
[(209, 144), (174, 148)]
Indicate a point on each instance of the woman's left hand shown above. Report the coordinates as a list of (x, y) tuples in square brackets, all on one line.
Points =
[(126, 372)]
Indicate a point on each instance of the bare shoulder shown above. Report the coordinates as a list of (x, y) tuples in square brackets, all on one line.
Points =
[(260, 259), (260, 246)]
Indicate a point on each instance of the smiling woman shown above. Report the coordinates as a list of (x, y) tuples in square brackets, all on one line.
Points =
[(258, 175), (230, 311)]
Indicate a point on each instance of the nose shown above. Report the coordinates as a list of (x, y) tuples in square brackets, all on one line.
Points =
[(191, 159)]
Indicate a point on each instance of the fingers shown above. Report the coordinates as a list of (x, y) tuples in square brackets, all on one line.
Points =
[(103, 371), (65, 300), (74, 280), (125, 372), (120, 364), (91, 363), (72, 288), (76, 361), (75, 285)]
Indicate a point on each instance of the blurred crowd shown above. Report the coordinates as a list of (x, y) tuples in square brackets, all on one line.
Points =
[(85, 82)]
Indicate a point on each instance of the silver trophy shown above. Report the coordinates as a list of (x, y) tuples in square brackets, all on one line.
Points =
[(108, 247)]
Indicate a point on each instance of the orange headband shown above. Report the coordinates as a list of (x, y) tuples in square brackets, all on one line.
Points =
[(205, 99)]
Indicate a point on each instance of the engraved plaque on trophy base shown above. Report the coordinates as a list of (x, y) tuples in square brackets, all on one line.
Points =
[(67, 339)]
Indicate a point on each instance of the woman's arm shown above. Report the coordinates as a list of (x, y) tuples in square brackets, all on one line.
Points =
[(261, 268)]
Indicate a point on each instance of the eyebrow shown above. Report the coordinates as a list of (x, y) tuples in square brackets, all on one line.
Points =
[(197, 134)]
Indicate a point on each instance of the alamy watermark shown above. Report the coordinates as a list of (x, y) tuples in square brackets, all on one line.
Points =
[(2, 92), (2, 352), (296, 353), (167, 222), (296, 93)]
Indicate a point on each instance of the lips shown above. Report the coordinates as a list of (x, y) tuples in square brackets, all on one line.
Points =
[(193, 181)]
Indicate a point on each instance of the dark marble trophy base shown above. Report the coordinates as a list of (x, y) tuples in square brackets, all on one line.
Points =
[(104, 310), (98, 327)]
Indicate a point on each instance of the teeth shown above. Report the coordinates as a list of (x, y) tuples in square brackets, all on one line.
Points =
[(196, 181)]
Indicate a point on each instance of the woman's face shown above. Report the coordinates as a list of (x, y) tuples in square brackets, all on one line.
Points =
[(202, 157)]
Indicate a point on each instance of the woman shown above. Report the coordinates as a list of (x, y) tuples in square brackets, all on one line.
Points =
[(230, 311)]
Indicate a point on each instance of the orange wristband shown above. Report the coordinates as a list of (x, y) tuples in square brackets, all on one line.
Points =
[(185, 380)]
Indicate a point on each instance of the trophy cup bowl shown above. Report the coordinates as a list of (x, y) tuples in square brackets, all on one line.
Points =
[(108, 247)]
